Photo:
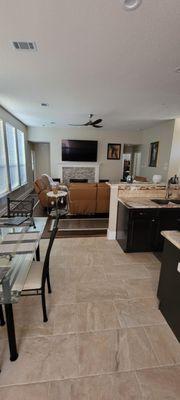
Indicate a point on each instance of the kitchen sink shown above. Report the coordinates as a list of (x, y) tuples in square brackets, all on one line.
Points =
[(175, 201), (165, 201), (161, 201)]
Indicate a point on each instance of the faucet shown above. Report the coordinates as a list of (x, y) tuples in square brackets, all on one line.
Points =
[(168, 193), (174, 180)]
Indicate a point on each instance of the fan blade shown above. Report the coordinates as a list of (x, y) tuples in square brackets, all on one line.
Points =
[(97, 126), (98, 121), (77, 124)]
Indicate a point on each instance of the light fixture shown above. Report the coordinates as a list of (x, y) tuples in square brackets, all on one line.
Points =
[(131, 5)]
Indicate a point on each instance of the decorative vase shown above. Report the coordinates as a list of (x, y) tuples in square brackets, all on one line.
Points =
[(157, 178), (129, 179)]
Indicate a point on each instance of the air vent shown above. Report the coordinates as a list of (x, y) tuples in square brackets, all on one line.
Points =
[(25, 46)]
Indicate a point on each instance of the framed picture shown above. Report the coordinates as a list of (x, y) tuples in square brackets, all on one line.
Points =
[(153, 154), (113, 151)]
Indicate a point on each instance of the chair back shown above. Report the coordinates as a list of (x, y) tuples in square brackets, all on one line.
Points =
[(48, 252), (23, 208)]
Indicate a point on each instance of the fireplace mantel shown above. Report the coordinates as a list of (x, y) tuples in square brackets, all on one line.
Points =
[(75, 164)]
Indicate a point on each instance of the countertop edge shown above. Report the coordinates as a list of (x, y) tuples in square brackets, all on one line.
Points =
[(133, 203), (173, 237)]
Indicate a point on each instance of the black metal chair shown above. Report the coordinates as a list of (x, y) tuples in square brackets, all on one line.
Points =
[(2, 321), (20, 208), (39, 274)]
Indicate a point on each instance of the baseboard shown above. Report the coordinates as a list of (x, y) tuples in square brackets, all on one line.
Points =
[(111, 235)]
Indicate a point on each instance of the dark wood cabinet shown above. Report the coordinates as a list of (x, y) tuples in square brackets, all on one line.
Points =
[(140, 229), (169, 287), (167, 220)]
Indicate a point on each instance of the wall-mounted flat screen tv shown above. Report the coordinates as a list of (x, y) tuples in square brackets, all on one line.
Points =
[(79, 150)]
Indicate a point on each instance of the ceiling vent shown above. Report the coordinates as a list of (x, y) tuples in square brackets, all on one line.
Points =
[(30, 46)]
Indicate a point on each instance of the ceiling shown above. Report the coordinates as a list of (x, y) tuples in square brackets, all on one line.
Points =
[(93, 57)]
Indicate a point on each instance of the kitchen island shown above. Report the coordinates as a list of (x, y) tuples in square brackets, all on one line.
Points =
[(135, 192), (141, 220), (169, 281)]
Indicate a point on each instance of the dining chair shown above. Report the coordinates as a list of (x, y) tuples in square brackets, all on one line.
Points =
[(20, 208), (39, 274), (2, 321)]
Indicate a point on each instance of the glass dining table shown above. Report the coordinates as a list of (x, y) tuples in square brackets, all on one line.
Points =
[(19, 245)]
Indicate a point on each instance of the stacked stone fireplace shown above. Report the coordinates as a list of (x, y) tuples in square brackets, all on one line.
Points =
[(89, 171)]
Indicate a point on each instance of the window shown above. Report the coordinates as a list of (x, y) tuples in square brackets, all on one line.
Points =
[(22, 157), (12, 156), (3, 164)]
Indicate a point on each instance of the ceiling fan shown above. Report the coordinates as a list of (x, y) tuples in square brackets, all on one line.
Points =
[(95, 123)]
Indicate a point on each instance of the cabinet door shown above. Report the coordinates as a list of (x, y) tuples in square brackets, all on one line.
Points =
[(168, 220), (122, 225), (169, 280), (142, 231)]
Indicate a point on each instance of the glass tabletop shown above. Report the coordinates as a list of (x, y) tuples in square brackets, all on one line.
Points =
[(18, 245)]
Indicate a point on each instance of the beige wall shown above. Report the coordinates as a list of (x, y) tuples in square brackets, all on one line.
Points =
[(109, 169), (174, 164), (7, 117), (162, 133)]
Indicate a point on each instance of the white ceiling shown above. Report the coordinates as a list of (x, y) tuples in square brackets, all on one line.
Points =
[(93, 57)]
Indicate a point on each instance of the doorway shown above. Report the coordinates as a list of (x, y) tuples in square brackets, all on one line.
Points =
[(40, 158)]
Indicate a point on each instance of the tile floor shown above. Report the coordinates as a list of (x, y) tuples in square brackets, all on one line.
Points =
[(105, 338)]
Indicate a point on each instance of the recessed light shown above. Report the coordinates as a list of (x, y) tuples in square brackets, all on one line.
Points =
[(177, 70), (44, 104), (131, 5), (52, 123)]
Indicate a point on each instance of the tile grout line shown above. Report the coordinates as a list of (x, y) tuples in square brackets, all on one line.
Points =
[(70, 333), (139, 383), (151, 345), (114, 305), (127, 371)]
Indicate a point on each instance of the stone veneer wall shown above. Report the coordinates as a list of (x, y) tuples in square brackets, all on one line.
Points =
[(78, 173)]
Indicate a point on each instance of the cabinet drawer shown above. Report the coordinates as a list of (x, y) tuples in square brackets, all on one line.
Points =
[(143, 213)]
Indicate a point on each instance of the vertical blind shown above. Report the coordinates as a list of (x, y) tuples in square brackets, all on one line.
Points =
[(22, 157), (12, 158), (3, 164)]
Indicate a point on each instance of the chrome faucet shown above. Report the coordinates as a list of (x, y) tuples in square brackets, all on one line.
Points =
[(168, 193), (174, 180)]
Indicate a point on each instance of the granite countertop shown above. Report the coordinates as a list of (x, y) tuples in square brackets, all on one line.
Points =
[(141, 185), (173, 237), (133, 202), (137, 185)]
